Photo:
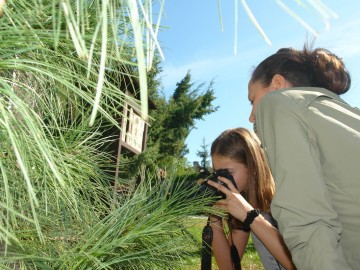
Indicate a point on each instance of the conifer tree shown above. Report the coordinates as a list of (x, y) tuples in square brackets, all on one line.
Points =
[(175, 118), (204, 154)]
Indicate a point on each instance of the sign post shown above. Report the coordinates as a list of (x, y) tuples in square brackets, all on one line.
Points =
[(132, 136)]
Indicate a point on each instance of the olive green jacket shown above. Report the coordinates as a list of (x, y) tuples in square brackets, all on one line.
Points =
[(312, 141)]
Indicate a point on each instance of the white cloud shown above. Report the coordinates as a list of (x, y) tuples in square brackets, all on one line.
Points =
[(343, 38), (214, 66), (203, 69)]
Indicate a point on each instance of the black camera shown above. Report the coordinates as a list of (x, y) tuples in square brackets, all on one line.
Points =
[(212, 191)]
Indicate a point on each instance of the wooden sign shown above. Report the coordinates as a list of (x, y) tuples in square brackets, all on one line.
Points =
[(133, 130)]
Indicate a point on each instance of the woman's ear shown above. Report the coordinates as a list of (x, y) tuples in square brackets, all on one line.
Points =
[(279, 82)]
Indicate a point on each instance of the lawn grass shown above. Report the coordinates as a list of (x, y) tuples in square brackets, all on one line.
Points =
[(250, 261)]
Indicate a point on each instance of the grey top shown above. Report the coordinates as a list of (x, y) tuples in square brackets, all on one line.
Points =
[(312, 141), (268, 260)]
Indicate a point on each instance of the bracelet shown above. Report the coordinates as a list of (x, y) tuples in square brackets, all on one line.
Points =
[(251, 215)]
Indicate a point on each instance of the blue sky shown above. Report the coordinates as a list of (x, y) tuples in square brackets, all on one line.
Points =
[(195, 41)]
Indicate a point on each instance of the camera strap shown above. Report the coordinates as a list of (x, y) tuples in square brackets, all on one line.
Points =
[(234, 254), (206, 254), (207, 237)]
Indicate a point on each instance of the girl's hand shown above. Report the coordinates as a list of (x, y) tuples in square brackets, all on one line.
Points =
[(234, 203)]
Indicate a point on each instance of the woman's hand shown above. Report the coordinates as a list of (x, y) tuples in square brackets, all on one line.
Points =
[(234, 203)]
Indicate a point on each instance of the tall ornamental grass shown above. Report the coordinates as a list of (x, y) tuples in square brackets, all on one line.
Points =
[(64, 69)]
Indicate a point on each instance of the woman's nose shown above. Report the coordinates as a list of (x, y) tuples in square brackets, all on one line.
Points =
[(252, 117)]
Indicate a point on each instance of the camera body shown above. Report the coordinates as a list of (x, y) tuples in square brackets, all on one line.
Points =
[(214, 192)]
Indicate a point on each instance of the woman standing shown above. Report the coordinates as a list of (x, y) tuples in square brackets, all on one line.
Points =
[(312, 140)]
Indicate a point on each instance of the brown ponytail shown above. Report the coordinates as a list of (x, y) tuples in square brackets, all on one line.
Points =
[(307, 67)]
